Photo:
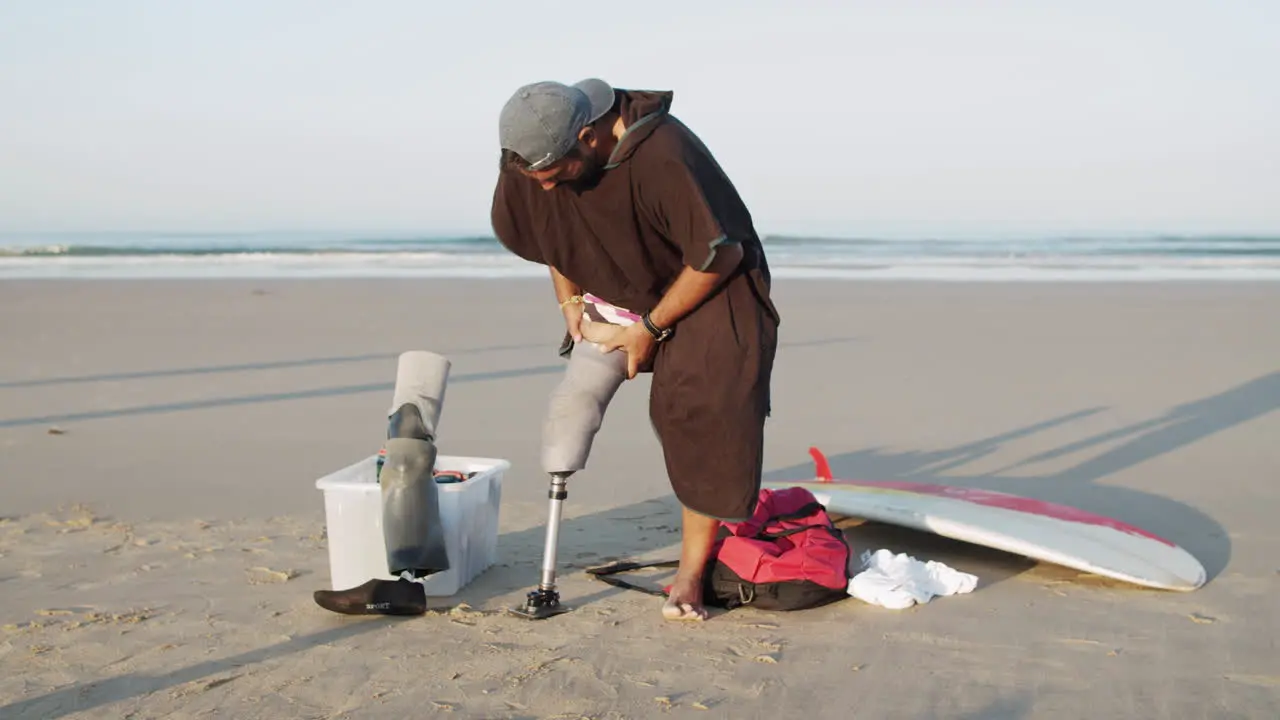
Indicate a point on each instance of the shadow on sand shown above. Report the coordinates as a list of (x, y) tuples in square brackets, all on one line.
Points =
[(357, 389), (1078, 485), (521, 550), (520, 555), (185, 406), (239, 367), (1012, 707)]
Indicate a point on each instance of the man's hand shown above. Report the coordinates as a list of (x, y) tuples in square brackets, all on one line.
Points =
[(573, 320), (637, 343), (570, 297), (689, 289)]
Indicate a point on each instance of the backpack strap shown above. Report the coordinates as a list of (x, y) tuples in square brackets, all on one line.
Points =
[(792, 531), (804, 511), (604, 573)]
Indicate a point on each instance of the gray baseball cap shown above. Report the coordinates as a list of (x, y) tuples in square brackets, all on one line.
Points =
[(541, 121)]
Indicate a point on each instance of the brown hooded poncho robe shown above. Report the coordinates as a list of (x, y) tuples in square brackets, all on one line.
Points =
[(661, 204)]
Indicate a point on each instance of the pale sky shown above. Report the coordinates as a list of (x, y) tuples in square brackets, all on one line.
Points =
[(838, 118)]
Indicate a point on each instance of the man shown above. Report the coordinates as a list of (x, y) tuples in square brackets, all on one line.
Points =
[(620, 199)]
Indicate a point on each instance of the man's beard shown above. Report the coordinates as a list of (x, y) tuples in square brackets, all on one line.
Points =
[(592, 170)]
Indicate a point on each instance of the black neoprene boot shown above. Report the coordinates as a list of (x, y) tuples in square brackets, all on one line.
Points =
[(376, 597)]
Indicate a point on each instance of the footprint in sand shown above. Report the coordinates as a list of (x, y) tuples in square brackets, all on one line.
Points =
[(263, 575), (1256, 680)]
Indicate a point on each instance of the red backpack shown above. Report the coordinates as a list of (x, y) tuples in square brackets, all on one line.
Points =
[(788, 556)]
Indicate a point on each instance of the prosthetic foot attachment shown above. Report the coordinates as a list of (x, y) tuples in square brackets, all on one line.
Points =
[(540, 604), (544, 601)]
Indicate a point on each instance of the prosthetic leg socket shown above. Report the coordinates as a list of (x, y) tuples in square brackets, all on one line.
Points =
[(578, 405)]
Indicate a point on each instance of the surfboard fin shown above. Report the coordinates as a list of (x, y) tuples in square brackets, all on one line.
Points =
[(821, 468)]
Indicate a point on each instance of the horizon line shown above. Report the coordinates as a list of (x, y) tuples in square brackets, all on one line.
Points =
[(1010, 234)]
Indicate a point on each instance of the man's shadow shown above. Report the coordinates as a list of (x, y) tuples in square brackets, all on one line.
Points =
[(1076, 486)]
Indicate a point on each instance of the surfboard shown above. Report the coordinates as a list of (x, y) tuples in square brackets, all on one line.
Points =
[(1036, 529)]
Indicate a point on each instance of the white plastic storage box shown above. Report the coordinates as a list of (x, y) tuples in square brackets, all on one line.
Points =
[(468, 511)]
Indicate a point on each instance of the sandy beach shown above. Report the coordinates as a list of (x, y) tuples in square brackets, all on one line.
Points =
[(161, 534)]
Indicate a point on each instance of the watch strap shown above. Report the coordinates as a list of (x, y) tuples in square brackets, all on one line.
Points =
[(658, 334)]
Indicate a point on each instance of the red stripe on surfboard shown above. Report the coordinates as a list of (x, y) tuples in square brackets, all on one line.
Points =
[(988, 498)]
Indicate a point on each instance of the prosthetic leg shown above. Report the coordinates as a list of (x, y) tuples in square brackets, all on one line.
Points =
[(575, 414), (411, 524)]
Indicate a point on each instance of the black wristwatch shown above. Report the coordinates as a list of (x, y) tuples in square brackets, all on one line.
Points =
[(658, 334)]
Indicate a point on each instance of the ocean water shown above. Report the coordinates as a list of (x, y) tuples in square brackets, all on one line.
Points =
[(293, 255)]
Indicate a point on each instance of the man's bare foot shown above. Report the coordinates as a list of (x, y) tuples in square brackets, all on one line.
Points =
[(684, 602)]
